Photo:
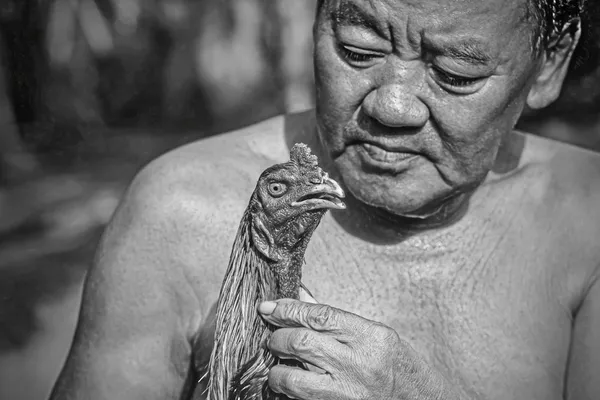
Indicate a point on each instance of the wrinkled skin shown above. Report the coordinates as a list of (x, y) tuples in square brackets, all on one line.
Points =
[(389, 84)]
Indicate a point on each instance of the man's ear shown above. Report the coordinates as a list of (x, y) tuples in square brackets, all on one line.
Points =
[(554, 66)]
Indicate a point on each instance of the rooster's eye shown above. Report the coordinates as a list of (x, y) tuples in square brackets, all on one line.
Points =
[(277, 189)]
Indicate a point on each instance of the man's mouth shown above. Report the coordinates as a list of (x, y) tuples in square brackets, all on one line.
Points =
[(384, 155)]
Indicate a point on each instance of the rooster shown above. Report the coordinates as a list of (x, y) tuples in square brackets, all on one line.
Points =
[(266, 264)]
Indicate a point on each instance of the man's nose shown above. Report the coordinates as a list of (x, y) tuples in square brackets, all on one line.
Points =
[(391, 105)]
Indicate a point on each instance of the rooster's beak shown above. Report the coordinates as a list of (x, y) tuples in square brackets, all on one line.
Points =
[(327, 194)]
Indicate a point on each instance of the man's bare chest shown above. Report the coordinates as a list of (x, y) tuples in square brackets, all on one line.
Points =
[(485, 312)]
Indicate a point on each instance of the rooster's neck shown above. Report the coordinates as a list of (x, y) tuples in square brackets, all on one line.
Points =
[(288, 274), (291, 247)]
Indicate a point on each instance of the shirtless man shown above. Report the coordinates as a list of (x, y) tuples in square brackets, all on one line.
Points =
[(465, 266)]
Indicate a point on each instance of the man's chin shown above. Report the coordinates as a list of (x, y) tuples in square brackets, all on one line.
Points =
[(405, 208), (396, 201), (408, 195)]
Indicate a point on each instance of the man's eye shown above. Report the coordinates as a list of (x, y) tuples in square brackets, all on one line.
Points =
[(358, 57), (455, 81)]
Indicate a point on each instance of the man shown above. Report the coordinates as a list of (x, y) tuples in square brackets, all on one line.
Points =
[(465, 266)]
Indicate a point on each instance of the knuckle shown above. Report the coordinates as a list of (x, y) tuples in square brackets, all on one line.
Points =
[(322, 317), (293, 311), (300, 341), (383, 351), (384, 334), (381, 375)]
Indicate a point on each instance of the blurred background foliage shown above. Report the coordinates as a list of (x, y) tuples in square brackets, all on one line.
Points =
[(91, 90)]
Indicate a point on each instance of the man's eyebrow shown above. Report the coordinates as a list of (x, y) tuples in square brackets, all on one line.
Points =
[(467, 51), (349, 14)]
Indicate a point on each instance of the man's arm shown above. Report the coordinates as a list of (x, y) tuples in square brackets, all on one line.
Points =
[(584, 360), (139, 312)]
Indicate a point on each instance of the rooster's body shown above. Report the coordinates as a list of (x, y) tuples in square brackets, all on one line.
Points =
[(266, 264)]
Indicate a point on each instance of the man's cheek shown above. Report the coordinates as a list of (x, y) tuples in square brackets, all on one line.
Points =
[(470, 157), (336, 89), (493, 106), (339, 86), (470, 124)]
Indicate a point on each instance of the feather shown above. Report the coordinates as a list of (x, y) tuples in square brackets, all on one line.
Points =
[(265, 264)]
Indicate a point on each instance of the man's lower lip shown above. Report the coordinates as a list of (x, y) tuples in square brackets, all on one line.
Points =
[(381, 156)]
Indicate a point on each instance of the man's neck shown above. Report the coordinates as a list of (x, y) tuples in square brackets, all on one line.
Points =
[(381, 226)]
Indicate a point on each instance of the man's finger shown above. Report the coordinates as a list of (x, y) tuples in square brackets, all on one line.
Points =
[(297, 383), (308, 346), (319, 317)]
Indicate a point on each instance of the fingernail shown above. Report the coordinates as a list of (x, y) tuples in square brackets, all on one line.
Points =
[(267, 307)]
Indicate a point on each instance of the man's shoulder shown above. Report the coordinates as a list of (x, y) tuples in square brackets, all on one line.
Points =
[(566, 167), (227, 160), (232, 149), (217, 168), (198, 193), (564, 197), (550, 173), (561, 184), (556, 187)]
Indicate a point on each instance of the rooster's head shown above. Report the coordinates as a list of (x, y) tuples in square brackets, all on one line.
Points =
[(289, 201)]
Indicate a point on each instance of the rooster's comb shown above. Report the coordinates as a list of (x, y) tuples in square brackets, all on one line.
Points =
[(301, 155)]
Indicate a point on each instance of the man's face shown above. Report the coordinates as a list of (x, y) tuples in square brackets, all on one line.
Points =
[(414, 96)]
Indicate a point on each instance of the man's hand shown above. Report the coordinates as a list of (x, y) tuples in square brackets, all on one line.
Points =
[(356, 358)]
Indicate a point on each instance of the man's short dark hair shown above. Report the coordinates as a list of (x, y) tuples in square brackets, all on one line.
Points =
[(550, 16)]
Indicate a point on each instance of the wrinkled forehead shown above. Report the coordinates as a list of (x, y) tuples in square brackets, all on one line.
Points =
[(492, 21)]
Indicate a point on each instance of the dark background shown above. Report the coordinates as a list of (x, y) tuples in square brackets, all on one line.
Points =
[(91, 90)]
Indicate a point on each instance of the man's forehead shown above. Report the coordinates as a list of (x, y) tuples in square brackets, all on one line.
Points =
[(352, 13), (465, 29), (446, 14)]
